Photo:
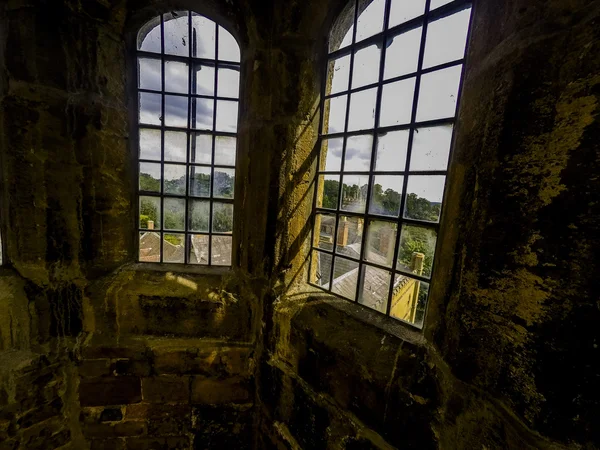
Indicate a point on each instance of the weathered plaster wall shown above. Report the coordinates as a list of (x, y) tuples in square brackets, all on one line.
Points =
[(521, 311), (508, 357)]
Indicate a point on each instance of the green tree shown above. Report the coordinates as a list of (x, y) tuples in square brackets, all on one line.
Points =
[(148, 211), (149, 183), (330, 193)]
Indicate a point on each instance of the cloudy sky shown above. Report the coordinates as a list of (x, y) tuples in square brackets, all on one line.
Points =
[(445, 42), (177, 80)]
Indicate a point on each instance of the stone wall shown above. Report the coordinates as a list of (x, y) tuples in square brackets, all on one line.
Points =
[(99, 352)]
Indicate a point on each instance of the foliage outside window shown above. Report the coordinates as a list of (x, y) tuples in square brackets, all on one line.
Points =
[(390, 97), (188, 91)]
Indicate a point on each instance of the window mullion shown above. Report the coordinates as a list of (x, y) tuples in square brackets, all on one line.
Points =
[(413, 119)]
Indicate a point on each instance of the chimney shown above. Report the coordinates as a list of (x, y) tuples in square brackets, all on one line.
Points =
[(387, 242), (416, 263), (342, 238), (151, 224)]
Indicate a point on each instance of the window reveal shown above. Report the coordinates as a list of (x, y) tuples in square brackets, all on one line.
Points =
[(188, 91), (389, 106)]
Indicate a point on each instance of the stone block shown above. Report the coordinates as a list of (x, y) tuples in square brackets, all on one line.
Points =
[(158, 443), (106, 391), (218, 362), (163, 419), (140, 367), (223, 427), (107, 444), (116, 429), (94, 367), (111, 415), (166, 389), (208, 391), (40, 414)]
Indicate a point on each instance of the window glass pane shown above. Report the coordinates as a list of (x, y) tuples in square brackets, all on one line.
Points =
[(438, 94), (366, 66), (362, 110), (345, 278), (320, 269), (331, 154), (229, 82), (391, 151), (199, 213), (201, 148), (174, 248), (176, 77), (409, 300), (402, 11), (187, 176), (402, 54), (176, 111), (354, 193), (177, 33), (324, 231), (446, 39), (222, 221), (175, 179), (149, 144), (370, 21), (397, 102), (328, 193), (202, 113), (204, 31), (149, 37), (431, 148), (175, 146), (424, 197), (198, 253), (375, 288), (150, 213), (222, 247), (224, 182), (228, 47), (150, 74), (200, 181), (227, 116), (349, 236), (416, 251), (339, 71), (150, 177), (386, 195), (149, 246), (174, 211), (225, 148), (150, 108), (358, 153), (204, 79), (335, 114), (381, 241)]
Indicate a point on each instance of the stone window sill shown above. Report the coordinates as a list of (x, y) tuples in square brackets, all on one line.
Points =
[(308, 295), (182, 268)]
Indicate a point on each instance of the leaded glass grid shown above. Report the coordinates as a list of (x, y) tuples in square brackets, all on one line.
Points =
[(389, 105), (188, 74)]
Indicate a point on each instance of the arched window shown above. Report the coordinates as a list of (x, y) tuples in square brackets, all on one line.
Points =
[(188, 88), (390, 97)]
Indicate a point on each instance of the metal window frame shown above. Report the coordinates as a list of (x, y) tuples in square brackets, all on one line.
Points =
[(380, 39), (192, 61)]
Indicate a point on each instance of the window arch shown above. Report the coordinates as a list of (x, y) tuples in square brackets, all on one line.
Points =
[(389, 103), (188, 75)]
